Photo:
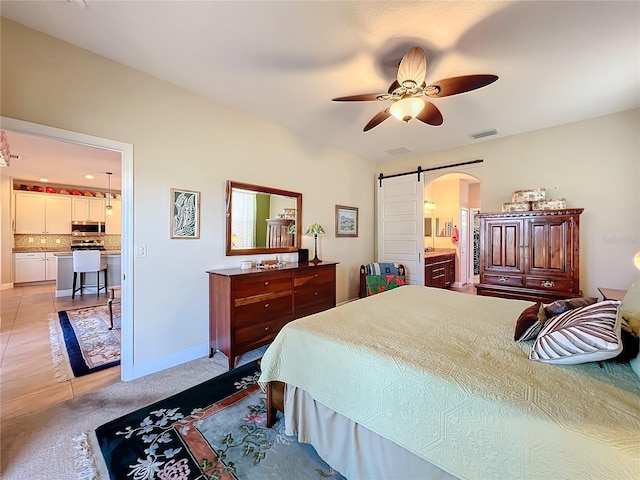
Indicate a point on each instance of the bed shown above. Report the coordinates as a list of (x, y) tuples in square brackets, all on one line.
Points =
[(437, 376)]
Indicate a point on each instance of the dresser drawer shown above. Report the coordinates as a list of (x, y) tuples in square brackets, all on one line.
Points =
[(261, 283), (551, 284), (303, 311), (265, 307), (314, 276), (507, 280), (253, 335), (313, 294)]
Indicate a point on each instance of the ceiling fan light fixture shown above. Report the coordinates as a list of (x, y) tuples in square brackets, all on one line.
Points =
[(407, 108)]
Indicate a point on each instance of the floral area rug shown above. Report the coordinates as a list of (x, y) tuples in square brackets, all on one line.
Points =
[(90, 345), (215, 430)]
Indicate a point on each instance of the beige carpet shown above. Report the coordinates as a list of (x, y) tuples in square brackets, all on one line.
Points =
[(41, 445)]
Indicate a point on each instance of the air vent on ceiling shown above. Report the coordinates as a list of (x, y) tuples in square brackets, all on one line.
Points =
[(484, 133), (398, 151)]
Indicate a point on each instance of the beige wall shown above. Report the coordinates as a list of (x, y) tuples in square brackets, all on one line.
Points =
[(182, 140), (594, 164)]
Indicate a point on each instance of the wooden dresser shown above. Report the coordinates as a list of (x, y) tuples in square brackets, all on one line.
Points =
[(247, 308), (530, 255), (439, 269)]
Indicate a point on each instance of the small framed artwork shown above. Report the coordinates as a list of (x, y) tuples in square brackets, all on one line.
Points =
[(346, 221), (185, 213)]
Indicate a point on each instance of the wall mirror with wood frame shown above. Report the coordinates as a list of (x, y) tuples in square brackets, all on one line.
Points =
[(262, 219)]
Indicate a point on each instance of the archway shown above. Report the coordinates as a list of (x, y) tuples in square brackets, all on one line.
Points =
[(452, 201)]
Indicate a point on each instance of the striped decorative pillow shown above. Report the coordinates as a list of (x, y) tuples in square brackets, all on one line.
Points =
[(585, 334)]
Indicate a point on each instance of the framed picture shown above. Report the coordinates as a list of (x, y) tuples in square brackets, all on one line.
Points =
[(346, 221), (185, 213)]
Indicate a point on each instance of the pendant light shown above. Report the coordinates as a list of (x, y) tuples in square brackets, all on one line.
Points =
[(109, 208)]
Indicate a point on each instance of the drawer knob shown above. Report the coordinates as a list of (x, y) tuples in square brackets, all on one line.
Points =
[(266, 305), (315, 276), (266, 329), (266, 283), (503, 279), (316, 294), (548, 284)]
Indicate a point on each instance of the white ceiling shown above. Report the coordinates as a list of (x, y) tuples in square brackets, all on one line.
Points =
[(558, 61), (61, 163)]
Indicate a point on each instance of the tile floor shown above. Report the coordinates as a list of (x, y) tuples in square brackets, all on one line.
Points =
[(27, 376)]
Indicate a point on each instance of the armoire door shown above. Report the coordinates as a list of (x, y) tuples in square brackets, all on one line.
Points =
[(501, 245)]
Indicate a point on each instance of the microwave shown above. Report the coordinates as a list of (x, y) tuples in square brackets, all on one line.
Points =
[(82, 229)]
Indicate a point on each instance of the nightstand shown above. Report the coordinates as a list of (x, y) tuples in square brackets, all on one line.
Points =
[(612, 293)]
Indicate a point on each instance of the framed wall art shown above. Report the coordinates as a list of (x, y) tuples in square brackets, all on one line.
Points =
[(346, 221), (185, 213)]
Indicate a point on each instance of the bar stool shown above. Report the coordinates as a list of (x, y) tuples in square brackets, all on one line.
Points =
[(88, 261)]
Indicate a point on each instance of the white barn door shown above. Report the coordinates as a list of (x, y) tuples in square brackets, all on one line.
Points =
[(401, 224)]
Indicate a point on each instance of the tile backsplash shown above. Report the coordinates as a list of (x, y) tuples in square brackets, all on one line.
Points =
[(111, 242)]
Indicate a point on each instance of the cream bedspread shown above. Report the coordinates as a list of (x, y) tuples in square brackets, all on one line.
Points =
[(438, 373)]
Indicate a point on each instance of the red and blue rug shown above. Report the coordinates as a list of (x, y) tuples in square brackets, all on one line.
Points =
[(215, 430), (90, 345)]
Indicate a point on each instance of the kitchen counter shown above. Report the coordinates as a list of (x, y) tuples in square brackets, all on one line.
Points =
[(64, 278), (59, 252), (68, 253), (40, 249)]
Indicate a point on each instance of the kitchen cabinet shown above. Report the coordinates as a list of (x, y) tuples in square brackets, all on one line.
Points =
[(51, 268), (42, 213), (88, 209), (35, 266), (530, 255), (113, 223)]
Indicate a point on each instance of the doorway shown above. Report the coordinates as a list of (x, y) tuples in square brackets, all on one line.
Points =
[(126, 152), (451, 198)]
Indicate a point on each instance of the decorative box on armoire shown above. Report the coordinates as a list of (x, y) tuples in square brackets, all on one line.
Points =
[(532, 255)]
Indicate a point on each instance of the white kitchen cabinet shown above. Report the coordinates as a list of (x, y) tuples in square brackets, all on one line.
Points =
[(113, 223), (42, 213), (51, 262), (88, 209), (35, 266), (29, 267)]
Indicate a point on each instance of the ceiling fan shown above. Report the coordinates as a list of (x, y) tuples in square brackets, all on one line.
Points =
[(407, 91)]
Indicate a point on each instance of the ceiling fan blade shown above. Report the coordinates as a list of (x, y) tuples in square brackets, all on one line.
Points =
[(393, 86), (430, 114), (377, 119), (413, 66), (456, 85), (365, 97)]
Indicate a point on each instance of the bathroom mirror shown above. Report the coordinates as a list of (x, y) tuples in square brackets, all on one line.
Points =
[(444, 227), (262, 219), (428, 227)]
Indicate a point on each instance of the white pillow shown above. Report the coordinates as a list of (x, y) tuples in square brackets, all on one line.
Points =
[(585, 334)]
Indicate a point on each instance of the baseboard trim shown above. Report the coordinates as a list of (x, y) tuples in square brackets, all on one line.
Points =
[(6, 286), (168, 361)]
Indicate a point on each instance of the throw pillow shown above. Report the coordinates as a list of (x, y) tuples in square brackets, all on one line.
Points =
[(530, 322), (631, 312), (584, 334), (630, 342), (561, 306)]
